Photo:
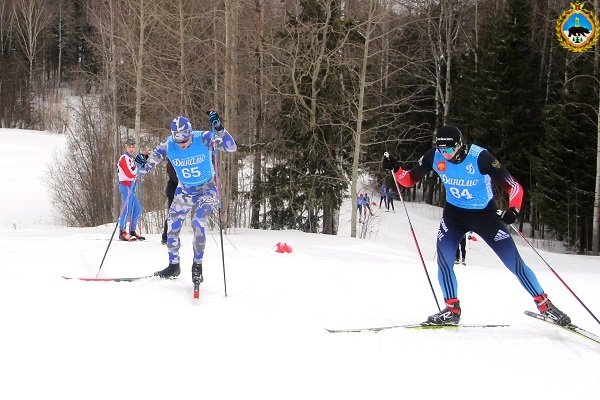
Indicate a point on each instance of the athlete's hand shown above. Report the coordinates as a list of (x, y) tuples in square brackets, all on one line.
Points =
[(213, 117), (509, 215), (140, 159), (389, 162)]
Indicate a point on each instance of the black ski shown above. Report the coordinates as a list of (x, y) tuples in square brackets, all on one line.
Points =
[(414, 326), (130, 279), (571, 327)]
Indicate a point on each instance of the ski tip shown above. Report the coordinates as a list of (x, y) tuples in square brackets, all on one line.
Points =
[(196, 294)]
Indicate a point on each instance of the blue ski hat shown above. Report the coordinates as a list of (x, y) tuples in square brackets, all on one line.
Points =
[(181, 129)]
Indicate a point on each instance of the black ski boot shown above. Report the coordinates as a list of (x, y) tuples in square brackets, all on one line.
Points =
[(136, 235), (197, 278), (448, 316), (172, 271), (548, 309)]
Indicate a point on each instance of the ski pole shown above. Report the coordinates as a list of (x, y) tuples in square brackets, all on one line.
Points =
[(416, 242), (554, 272), (123, 207), (216, 165)]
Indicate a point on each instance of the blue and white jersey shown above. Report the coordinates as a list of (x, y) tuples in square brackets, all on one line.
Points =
[(466, 187), (193, 164)]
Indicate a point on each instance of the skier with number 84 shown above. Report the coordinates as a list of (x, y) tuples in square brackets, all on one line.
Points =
[(467, 172)]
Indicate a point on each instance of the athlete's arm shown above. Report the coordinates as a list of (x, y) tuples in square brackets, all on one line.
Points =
[(408, 178), (489, 165), (156, 157)]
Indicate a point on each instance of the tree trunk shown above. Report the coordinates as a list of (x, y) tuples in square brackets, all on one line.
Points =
[(256, 193)]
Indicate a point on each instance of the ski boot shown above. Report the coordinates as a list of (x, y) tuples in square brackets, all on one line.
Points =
[(126, 237), (448, 316), (197, 278), (172, 271), (548, 309), (137, 236)]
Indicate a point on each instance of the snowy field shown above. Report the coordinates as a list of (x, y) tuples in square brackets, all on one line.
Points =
[(64, 339)]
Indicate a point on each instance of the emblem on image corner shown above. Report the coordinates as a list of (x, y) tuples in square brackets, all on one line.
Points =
[(577, 28)]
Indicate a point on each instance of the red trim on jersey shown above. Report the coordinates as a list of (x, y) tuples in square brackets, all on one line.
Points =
[(515, 193)]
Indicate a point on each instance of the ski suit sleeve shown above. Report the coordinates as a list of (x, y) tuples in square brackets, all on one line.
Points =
[(489, 165), (156, 157), (408, 178), (223, 140)]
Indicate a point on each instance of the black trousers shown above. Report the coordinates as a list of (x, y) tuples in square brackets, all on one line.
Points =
[(170, 192)]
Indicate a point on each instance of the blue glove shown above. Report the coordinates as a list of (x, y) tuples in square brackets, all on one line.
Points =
[(140, 159), (509, 215), (213, 117)]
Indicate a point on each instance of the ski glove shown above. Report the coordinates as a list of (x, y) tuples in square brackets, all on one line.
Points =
[(140, 159), (213, 117), (509, 215), (390, 162)]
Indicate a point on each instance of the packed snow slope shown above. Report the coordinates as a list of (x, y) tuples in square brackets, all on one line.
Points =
[(148, 339)]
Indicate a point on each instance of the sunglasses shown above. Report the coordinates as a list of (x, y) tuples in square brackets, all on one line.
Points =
[(181, 137), (447, 150)]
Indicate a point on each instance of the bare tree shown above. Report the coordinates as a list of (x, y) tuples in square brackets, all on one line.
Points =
[(32, 17)]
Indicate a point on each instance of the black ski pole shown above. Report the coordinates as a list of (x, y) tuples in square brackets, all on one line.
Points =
[(554, 272), (416, 242), (114, 230), (216, 165), (222, 251), (107, 247)]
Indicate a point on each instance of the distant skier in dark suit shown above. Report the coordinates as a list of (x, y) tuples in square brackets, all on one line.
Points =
[(170, 192)]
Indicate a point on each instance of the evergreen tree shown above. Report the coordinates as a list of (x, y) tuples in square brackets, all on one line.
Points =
[(500, 103)]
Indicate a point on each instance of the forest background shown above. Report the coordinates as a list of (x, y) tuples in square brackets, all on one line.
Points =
[(314, 91)]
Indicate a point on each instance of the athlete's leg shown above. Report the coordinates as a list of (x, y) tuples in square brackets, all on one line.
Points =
[(448, 237), (125, 205), (136, 211), (496, 235), (182, 203), (203, 206)]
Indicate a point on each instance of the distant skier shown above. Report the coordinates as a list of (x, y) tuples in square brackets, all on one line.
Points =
[(461, 250), (367, 205), (360, 201), (390, 199), (467, 173), (131, 208), (190, 153), (383, 196)]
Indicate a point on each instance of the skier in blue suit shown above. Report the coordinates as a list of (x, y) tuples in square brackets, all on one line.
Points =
[(190, 153), (467, 173)]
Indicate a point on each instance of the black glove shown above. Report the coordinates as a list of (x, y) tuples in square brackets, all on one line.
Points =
[(509, 215), (389, 162), (140, 159)]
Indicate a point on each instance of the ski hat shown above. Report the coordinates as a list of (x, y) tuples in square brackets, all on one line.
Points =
[(181, 129), (130, 142), (448, 136)]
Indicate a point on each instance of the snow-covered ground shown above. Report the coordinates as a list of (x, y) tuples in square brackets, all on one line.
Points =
[(148, 339)]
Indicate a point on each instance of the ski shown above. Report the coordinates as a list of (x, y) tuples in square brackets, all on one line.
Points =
[(414, 326), (130, 279), (196, 290), (571, 327)]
